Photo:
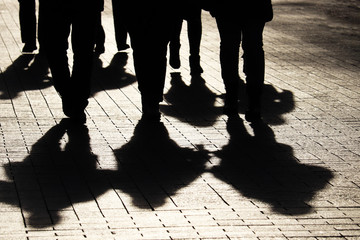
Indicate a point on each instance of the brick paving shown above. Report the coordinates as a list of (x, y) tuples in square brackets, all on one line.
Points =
[(197, 175)]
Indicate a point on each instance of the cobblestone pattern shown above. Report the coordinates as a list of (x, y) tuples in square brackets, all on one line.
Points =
[(196, 175)]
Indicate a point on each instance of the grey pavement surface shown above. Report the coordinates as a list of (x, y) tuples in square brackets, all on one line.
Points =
[(197, 175)]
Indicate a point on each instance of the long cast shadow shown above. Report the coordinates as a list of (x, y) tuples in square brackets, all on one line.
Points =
[(159, 166), (27, 72), (114, 76), (61, 171), (192, 103), (261, 168), (195, 103), (56, 175)]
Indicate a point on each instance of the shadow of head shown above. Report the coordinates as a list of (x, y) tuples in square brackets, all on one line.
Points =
[(193, 103), (27, 72), (159, 166), (114, 76), (263, 169)]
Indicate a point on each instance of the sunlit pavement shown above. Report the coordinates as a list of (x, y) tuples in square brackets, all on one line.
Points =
[(197, 174)]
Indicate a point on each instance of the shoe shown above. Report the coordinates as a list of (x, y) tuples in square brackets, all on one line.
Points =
[(151, 117), (151, 113), (123, 47), (175, 61), (76, 114), (29, 48), (231, 103), (99, 50), (195, 68), (253, 116), (78, 118), (230, 110), (175, 56)]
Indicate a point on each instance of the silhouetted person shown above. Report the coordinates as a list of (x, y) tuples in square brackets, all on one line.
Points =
[(79, 17), (119, 26), (100, 34), (191, 12), (148, 24), (244, 22), (27, 16)]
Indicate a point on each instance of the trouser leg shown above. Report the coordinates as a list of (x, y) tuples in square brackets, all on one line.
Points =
[(27, 15), (83, 39), (254, 63), (230, 35)]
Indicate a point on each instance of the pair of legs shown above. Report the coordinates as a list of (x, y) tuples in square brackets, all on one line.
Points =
[(148, 28), (74, 87), (193, 17), (234, 32)]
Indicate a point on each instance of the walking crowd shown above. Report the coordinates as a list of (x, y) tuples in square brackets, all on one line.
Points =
[(153, 27)]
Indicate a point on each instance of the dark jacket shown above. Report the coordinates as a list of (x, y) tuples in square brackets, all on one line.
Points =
[(243, 10)]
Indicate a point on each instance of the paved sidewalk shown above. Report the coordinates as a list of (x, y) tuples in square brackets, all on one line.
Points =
[(197, 175)]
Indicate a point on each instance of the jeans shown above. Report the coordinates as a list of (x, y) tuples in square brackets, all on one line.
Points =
[(234, 32)]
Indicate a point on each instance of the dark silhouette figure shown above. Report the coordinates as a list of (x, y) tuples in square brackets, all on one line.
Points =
[(263, 169), (242, 22), (27, 72), (27, 15), (194, 103), (191, 12), (80, 18), (148, 25), (100, 34), (161, 168), (113, 76), (119, 26)]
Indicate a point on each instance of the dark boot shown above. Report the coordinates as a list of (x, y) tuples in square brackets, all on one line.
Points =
[(175, 56), (195, 68)]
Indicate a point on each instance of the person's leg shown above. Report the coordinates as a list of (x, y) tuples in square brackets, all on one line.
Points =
[(150, 68), (27, 16), (174, 45), (99, 37), (56, 30), (149, 43), (254, 67), (119, 26), (194, 35), (230, 35), (41, 25), (82, 39)]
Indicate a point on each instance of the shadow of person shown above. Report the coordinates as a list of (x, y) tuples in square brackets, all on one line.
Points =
[(275, 103), (194, 103), (263, 169), (113, 76), (27, 72), (58, 173), (158, 165)]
